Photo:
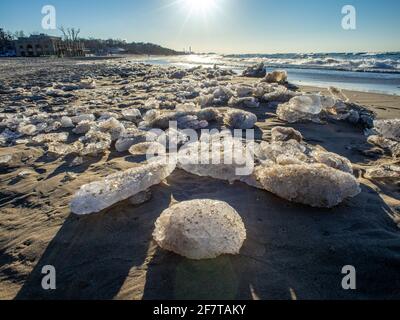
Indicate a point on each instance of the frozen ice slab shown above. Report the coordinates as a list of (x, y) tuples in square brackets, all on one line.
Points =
[(200, 229), (389, 129), (97, 196), (276, 76), (218, 156), (316, 185), (299, 108)]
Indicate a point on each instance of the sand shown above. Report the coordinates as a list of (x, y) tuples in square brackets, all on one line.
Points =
[(291, 251)]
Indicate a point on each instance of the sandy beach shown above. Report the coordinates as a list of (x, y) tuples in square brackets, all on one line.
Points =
[(292, 251)]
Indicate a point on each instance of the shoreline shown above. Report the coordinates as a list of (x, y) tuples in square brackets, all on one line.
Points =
[(387, 84)]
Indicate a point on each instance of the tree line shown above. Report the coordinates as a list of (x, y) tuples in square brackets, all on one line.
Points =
[(93, 45)]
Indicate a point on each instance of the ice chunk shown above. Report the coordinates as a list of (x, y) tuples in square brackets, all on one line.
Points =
[(88, 84), (223, 94), (113, 127), (244, 91), (205, 100), (97, 196), (210, 114), (299, 108), (150, 115), (95, 143), (83, 117), (187, 107), (384, 172), (257, 71), (60, 149), (333, 160), (338, 94), (152, 104), (173, 138), (247, 102), (279, 94), (84, 127), (5, 160), (388, 144), (108, 115), (389, 129), (276, 77), (307, 103), (66, 122), (316, 185), (285, 134), (133, 136), (50, 137), (152, 149), (132, 115), (239, 119), (191, 122), (28, 130), (200, 229), (283, 152), (218, 156)]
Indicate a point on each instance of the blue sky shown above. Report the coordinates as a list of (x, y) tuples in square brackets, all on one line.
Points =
[(233, 26)]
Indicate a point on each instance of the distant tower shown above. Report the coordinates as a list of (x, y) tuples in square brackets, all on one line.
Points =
[(190, 50)]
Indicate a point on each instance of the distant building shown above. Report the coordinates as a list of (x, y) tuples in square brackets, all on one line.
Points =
[(44, 45)]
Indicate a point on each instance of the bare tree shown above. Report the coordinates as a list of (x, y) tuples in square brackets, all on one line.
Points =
[(70, 34)]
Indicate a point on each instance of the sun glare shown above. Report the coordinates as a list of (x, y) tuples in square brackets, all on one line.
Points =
[(200, 6)]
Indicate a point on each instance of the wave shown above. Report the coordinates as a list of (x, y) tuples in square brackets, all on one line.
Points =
[(365, 62)]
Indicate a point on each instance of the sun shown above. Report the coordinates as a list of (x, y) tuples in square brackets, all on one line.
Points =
[(200, 6)]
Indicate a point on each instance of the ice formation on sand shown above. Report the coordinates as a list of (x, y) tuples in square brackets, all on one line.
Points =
[(387, 144), (61, 149), (332, 160), (83, 117), (218, 156), (246, 102), (388, 171), (66, 122), (200, 229), (84, 127), (239, 119), (132, 115), (388, 136), (390, 129), (316, 185), (285, 134), (300, 108), (50, 137), (95, 143), (5, 160), (113, 127), (131, 137), (147, 148), (88, 84), (28, 130), (276, 77), (97, 196), (257, 71)]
